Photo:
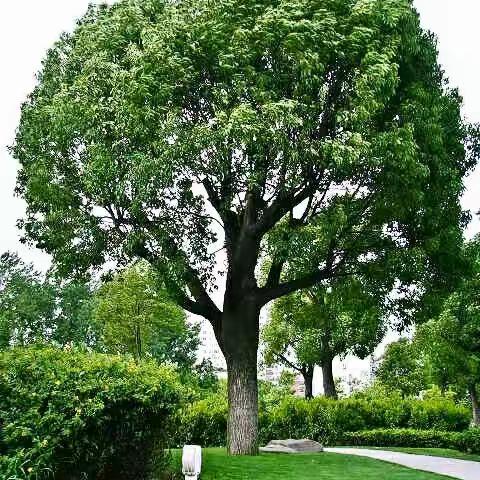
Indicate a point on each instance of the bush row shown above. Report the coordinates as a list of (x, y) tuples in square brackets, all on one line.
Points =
[(467, 441), (321, 419), (72, 415)]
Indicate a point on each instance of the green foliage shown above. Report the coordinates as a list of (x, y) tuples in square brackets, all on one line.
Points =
[(321, 418), (67, 414), (204, 422), (136, 316), (402, 369), (312, 327), (299, 418), (337, 101), (73, 319), (205, 377), (38, 308), (27, 303), (451, 341), (466, 441)]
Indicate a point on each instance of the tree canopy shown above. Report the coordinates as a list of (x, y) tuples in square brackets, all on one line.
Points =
[(134, 315), (314, 326), (170, 130), (451, 341), (403, 369), (27, 303)]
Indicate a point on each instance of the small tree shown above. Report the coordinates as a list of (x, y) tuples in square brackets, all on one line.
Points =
[(27, 303), (314, 326), (402, 368), (73, 318), (168, 130), (451, 342), (136, 316)]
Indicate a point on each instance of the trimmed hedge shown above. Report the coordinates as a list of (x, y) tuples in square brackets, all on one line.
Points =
[(203, 423), (72, 415), (322, 419), (467, 441)]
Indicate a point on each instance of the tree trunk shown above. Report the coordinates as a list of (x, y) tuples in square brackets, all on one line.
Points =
[(240, 342), (329, 389), (308, 379), (475, 405)]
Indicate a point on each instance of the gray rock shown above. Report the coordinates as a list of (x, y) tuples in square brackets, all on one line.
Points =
[(292, 446)]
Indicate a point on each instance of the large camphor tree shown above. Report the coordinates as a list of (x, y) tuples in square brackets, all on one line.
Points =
[(171, 130)]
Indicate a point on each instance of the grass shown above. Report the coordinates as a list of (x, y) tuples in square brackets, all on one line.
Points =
[(433, 452), (323, 466)]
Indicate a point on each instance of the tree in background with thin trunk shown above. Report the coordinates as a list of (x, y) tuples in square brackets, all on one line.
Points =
[(134, 315), (312, 327), (171, 131)]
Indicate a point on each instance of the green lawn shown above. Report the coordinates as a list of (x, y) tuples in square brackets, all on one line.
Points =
[(435, 452), (323, 466)]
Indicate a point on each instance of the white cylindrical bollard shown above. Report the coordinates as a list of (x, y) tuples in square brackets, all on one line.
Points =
[(191, 461)]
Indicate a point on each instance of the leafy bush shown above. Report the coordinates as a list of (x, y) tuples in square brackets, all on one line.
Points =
[(204, 422), (321, 418), (298, 418), (467, 441), (79, 415), (399, 438)]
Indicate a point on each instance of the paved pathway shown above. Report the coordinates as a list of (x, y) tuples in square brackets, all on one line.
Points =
[(463, 469)]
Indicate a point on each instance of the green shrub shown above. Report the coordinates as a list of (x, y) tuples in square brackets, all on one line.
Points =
[(298, 418), (438, 414), (204, 422), (467, 441), (398, 438), (72, 415)]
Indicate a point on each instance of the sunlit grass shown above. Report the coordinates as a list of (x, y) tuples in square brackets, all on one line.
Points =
[(217, 465)]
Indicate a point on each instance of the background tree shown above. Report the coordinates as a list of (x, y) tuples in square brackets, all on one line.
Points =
[(41, 308), (403, 369), (168, 130), (73, 317), (136, 316), (451, 342), (313, 326), (27, 303)]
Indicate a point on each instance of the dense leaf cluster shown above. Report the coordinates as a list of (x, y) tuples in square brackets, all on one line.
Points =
[(71, 415), (322, 419), (467, 441), (156, 121)]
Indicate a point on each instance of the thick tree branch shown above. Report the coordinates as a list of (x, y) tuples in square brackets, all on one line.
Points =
[(266, 294), (287, 362), (274, 273), (285, 202)]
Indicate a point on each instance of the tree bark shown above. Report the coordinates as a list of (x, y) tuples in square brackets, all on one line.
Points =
[(329, 389), (475, 405), (308, 379), (240, 338)]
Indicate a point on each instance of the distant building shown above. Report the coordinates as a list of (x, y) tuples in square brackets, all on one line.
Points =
[(271, 374), (299, 386), (209, 349)]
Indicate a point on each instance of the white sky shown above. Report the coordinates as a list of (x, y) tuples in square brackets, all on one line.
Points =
[(29, 27)]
